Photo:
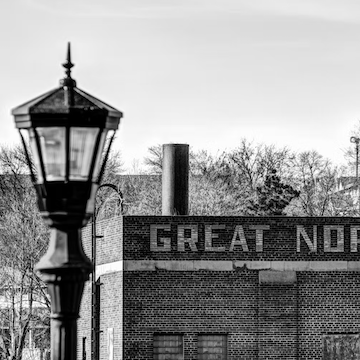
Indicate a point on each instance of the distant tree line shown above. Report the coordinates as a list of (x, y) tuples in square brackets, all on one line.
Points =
[(252, 179)]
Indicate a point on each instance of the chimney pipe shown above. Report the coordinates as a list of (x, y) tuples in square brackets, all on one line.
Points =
[(175, 179)]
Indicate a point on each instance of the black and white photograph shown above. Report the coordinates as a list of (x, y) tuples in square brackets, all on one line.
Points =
[(179, 180)]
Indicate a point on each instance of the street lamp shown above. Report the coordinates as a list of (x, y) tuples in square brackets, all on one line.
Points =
[(356, 141), (94, 282), (69, 133)]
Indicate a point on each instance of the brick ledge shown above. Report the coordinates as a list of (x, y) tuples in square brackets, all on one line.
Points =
[(195, 265)]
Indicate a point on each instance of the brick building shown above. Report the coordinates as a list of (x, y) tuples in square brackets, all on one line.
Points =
[(187, 287)]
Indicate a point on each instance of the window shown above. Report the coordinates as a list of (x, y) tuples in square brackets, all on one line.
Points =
[(212, 346), (168, 347), (341, 346)]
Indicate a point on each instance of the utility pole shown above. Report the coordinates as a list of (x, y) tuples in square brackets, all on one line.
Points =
[(356, 140)]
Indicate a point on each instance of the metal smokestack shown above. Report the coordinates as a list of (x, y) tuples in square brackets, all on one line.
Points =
[(175, 179)]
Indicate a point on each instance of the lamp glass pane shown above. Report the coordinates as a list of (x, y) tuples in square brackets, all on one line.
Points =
[(82, 146), (52, 143), (105, 138), (32, 151)]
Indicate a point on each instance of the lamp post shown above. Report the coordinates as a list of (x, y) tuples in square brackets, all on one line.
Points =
[(94, 283), (69, 133), (356, 140)]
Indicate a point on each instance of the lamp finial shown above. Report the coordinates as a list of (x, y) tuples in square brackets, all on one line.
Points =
[(68, 80), (68, 65)]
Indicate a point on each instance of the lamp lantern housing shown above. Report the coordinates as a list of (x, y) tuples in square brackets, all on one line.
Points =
[(66, 133)]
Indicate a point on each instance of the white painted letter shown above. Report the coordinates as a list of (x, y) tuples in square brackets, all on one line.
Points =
[(209, 236), (300, 230), (339, 238), (242, 240), (154, 239), (354, 242), (192, 240), (259, 235)]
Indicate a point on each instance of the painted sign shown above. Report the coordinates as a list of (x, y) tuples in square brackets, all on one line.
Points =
[(240, 238), (187, 238)]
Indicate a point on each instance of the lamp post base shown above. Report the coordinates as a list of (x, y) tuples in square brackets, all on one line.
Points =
[(65, 268)]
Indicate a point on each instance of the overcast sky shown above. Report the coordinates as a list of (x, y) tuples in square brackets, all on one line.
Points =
[(202, 72)]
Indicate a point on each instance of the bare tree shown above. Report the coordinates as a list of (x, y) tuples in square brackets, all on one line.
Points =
[(212, 190), (210, 196), (350, 151), (142, 194), (154, 159), (251, 163), (316, 178), (24, 237)]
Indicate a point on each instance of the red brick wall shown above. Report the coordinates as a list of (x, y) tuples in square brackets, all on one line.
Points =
[(84, 324), (111, 292), (264, 319), (329, 302), (190, 303), (270, 321), (109, 244), (108, 249), (278, 321)]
